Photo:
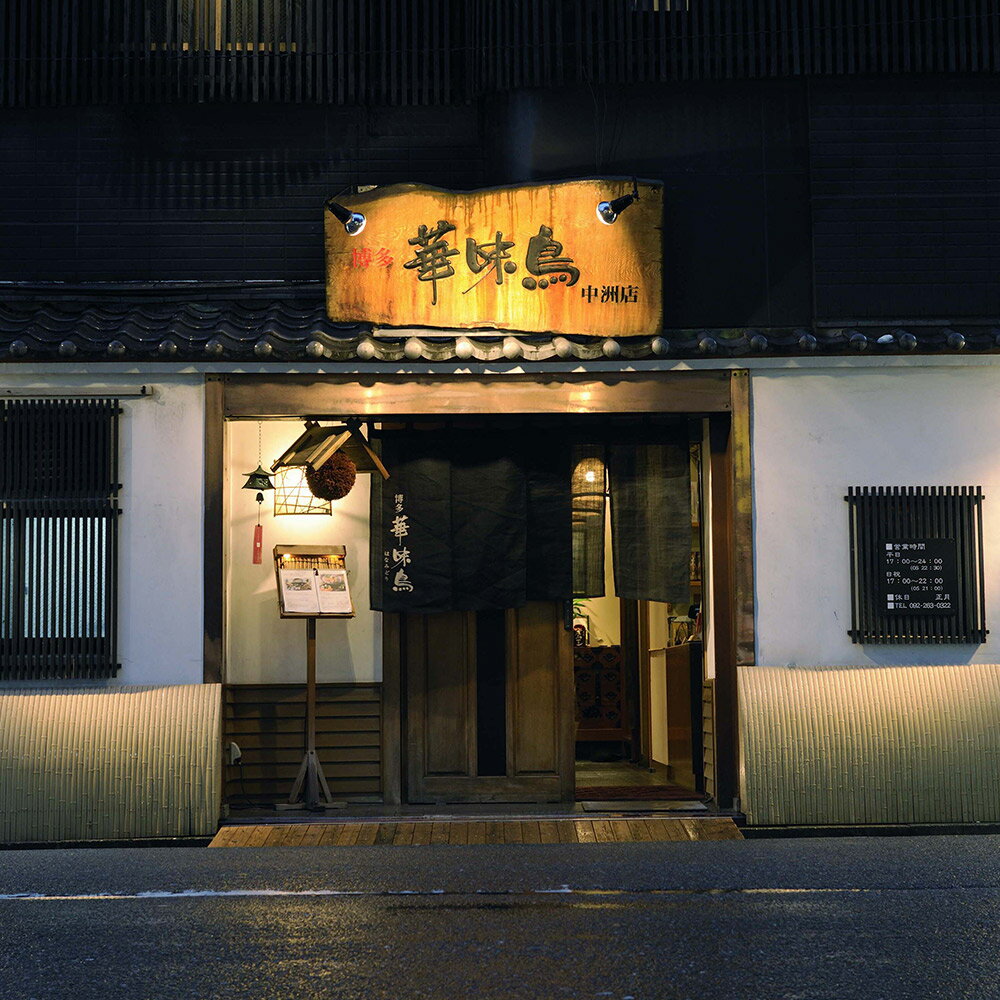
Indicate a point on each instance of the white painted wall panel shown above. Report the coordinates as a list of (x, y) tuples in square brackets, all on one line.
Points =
[(817, 432), (161, 602), (262, 647)]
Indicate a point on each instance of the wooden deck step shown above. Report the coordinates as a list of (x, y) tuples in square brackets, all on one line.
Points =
[(412, 833)]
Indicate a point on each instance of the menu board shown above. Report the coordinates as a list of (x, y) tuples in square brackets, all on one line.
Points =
[(312, 581), (919, 576), (315, 591)]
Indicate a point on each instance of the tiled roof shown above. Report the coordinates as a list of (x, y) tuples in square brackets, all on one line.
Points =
[(191, 325)]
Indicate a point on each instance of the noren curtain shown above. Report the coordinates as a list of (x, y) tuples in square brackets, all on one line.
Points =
[(474, 520), (470, 521), (650, 486)]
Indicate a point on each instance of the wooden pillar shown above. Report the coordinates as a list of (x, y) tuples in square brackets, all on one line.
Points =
[(724, 611)]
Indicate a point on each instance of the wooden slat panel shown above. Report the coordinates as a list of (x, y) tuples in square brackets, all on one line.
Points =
[(240, 694), (281, 772), (268, 722), (297, 710), (352, 724), (401, 53)]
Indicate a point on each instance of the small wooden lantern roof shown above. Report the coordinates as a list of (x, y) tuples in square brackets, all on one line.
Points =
[(317, 445)]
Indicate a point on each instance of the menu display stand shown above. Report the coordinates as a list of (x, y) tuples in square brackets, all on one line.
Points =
[(312, 584)]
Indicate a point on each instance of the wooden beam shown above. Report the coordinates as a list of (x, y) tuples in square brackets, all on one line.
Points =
[(351, 394)]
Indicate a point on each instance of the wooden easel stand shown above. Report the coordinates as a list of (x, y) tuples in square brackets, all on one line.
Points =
[(310, 790)]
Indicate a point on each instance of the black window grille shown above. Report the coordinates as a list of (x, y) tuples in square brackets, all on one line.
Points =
[(917, 564), (58, 538)]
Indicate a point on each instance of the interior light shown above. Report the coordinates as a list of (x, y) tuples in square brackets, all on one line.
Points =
[(293, 496)]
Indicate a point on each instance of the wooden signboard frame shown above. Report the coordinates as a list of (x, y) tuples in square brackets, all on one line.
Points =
[(534, 258), (310, 789)]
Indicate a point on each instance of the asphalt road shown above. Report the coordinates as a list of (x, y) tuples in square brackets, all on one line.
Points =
[(879, 919)]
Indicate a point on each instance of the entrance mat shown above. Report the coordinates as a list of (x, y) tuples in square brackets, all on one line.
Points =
[(632, 793), (689, 805), (556, 831)]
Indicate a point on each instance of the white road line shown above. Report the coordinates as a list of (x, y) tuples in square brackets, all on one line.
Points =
[(31, 897)]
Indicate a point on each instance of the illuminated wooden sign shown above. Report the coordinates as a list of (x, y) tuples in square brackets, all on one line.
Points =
[(535, 259)]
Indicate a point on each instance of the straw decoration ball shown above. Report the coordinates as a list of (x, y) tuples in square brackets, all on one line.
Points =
[(334, 479)]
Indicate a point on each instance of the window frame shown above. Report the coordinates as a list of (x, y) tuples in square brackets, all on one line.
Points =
[(59, 538)]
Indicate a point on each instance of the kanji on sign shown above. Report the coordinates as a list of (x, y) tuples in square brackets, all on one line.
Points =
[(362, 256), (486, 257), (544, 261), (431, 260), (366, 256)]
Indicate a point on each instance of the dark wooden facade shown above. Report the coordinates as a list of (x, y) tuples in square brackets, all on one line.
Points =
[(440, 51), (787, 203)]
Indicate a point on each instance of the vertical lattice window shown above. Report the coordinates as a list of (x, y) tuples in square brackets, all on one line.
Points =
[(58, 538), (917, 564)]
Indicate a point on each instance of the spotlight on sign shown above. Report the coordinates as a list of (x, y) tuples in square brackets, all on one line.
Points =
[(353, 222), (608, 211)]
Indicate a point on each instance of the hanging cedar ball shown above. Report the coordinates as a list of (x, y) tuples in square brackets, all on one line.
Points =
[(334, 479)]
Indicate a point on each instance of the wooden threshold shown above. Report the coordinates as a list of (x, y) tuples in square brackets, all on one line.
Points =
[(453, 831)]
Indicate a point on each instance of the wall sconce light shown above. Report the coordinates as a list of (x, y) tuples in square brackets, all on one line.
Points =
[(353, 222), (608, 211), (292, 494)]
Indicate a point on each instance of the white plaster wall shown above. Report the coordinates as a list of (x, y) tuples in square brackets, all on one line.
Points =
[(262, 647), (161, 602), (816, 432)]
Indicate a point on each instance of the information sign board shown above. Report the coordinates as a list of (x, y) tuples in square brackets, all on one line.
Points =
[(919, 576)]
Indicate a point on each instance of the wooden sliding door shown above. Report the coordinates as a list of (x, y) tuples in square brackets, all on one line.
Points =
[(488, 706)]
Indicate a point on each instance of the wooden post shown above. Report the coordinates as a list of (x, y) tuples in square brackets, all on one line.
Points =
[(311, 685), (724, 609), (310, 790)]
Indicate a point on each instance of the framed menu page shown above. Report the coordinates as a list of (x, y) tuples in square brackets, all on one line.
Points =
[(312, 581)]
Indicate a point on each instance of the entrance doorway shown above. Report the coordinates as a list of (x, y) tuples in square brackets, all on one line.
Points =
[(436, 712), (639, 668), (586, 695)]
